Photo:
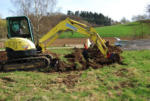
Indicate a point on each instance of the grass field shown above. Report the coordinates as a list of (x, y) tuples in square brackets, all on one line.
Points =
[(111, 83), (121, 30)]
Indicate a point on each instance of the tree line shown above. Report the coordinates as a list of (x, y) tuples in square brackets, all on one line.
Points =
[(93, 18)]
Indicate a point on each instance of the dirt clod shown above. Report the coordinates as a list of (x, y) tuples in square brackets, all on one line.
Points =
[(122, 72), (7, 79), (95, 59), (70, 80)]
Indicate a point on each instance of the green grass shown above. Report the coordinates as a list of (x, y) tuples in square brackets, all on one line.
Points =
[(121, 30), (72, 35), (62, 51), (129, 82), (124, 30)]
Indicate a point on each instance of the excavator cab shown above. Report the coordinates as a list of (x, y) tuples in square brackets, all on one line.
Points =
[(19, 27), (20, 41)]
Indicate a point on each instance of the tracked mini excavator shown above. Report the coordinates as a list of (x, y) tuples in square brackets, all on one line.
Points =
[(21, 51)]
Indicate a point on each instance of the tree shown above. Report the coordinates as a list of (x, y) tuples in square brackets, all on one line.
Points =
[(35, 10), (148, 10), (70, 13), (124, 20), (93, 18), (139, 17), (3, 29), (77, 13)]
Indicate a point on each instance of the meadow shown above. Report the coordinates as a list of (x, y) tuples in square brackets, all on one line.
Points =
[(129, 82), (121, 30)]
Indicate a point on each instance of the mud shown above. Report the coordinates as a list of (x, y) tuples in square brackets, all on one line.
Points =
[(94, 59), (121, 72), (69, 80), (125, 84), (7, 79)]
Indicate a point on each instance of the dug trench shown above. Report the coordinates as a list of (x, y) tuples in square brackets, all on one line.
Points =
[(95, 59)]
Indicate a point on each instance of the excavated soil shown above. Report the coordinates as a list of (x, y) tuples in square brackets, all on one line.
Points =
[(76, 60)]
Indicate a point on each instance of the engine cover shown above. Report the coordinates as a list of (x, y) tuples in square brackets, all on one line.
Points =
[(19, 44)]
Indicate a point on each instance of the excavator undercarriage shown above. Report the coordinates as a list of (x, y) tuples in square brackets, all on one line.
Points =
[(26, 63)]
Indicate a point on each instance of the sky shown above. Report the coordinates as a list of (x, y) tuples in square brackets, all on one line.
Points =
[(115, 9)]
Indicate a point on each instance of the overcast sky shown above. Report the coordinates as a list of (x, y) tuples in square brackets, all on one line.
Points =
[(116, 9)]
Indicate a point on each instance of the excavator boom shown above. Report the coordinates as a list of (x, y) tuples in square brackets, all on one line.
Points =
[(69, 24)]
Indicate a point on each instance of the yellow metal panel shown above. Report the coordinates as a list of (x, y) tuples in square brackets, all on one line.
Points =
[(19, 44), (52, 40)]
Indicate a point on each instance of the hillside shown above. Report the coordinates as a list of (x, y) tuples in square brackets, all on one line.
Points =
[(2, 28), (124, 30), (121, 30), (134, 29)]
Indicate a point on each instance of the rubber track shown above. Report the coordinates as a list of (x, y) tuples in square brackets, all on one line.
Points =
[(43, 62)]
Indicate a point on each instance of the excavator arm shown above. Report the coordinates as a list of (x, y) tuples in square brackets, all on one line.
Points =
[(69, 24)]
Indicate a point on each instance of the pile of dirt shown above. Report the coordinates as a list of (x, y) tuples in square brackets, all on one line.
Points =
[(95, 59)]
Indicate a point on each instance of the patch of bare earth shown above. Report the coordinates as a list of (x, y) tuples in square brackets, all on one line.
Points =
[(77, 61)]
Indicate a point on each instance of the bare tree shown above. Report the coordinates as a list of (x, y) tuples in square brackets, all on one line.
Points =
[(139, 17), (148, 10), (124, 20), (3, 29), (35, 10)]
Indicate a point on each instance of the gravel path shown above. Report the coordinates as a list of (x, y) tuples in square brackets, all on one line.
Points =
[(137, 45)]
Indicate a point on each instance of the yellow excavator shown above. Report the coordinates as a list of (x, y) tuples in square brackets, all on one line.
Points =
[(21, 49)]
